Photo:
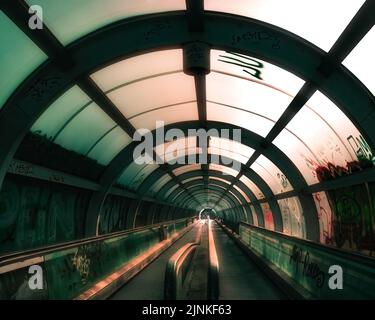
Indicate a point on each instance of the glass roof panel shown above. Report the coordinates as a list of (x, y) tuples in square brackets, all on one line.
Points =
[(19, 57), (177, 113), (225, 170), (219, 179), (252, 186), (361, 60), (137, 68), (272, 175), (135, 174), (233, 147), (170, 190), (329, 148), (292, 215), (108, 147), (241, 118), (299, 154), (337, 120), (255, 97), (268, 217), (187, 168), (170, 151), (255, 70), (339, 141), (254, 215), (299, 17), (242, 193), (72, 19), (85, 129), (60, 112), (238, 200), (228, 154), (159, 184), (192, 179), (146, 95)]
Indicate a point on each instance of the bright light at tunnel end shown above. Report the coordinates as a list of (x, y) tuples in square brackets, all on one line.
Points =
[(173, 146)]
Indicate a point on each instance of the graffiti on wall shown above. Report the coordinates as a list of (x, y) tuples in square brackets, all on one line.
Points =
[(324, 217), (33, 216), (309, 269), (362, 149), (291, 212)]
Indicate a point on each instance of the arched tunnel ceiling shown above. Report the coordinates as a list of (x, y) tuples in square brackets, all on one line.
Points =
[(88, 84)]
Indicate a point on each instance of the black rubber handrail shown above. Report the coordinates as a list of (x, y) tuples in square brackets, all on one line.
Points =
[(174, 284), (29, 254), (213, 266), (370, 261)]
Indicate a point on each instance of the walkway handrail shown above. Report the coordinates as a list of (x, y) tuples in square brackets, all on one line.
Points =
[(35, 253), (346, 254), (213, 266), (176, 272)]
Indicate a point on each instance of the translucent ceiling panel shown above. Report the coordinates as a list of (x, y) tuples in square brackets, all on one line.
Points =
[(299, 154), (238, 200), (135, 174), (192, 179), (293, 221), (255, 97), (268, 217), (19, 57), (85, 129), (174, 114), (109, 146), (146, 95), (221, 153), (320, 22), (72, 19), (254, 215), (320, 135), (230, 148), (225, 170), (137, 68), (170, 190), (179, 144), (343, 128), (219, 179), (188, 168), (172, 151), (242, 193), (252, 186), (320, 138), (361, 60), (159, 184), (60, 112), (255, 70), (238, 117), (272, 175)]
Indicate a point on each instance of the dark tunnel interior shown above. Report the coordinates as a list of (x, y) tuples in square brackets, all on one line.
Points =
[(143, 143)]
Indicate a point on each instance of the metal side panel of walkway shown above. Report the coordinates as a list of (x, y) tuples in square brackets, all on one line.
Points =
[(239, 277), (149, 283)]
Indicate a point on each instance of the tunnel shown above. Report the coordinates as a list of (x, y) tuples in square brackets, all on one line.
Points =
[(187, 150)]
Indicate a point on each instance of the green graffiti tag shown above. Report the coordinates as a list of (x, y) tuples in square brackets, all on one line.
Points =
[(252, 66)]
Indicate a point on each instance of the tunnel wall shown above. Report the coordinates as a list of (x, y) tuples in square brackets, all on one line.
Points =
[(70, 270), (346, 217), (308, 264), (36, 213)]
